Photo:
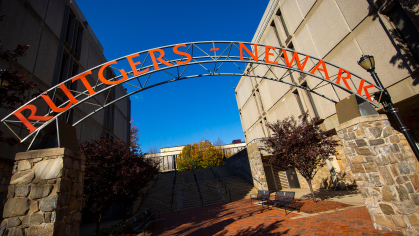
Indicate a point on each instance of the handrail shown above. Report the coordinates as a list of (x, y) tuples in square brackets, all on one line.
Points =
[(244, 171), (223, 184), (173, 189), (199, 189)]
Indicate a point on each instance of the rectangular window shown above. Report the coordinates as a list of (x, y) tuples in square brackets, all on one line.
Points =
[(70, 28), (313, 105), (276, 34), (78, 40), (65, 64), (281, 17), (300, 104)]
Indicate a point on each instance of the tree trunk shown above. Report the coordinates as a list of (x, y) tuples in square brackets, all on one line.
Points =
[(98, 224), (312, 192)]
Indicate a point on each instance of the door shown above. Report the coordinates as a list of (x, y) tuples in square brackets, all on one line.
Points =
[(269, 177), (292, 178)]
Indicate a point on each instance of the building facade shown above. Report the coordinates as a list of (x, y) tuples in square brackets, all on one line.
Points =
[(167, 156), (62, 45), (340, 32)]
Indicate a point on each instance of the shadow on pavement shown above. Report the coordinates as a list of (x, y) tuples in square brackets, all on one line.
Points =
[(325, 194)]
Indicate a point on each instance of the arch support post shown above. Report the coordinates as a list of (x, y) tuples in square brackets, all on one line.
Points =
[(45, 193), (385, 170)]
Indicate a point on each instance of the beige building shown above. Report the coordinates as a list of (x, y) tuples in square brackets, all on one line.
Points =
[(340, 32), (167, 155), (62, 45)]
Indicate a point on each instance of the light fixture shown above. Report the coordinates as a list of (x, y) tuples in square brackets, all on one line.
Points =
[(367, 62)]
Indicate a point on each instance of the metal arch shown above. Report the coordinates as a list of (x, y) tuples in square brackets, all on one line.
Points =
[(199, 57)]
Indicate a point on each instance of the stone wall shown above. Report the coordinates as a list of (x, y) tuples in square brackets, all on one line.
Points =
[(6, 167), (239, 164), (385, 170), (324, 179), (256, 166), (45, 193)]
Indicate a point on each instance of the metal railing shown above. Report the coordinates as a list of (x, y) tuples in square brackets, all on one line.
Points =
[(223, 184), (241, 172), (199, 189), (173, 190)]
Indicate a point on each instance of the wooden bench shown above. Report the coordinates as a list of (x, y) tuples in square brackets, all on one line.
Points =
[(263, 195), (140, 222), (285, 198)]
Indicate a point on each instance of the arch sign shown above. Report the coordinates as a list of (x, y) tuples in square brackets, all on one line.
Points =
[(183, 61)]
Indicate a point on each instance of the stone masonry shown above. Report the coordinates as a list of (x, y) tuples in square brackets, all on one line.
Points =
[(256, 166), (324, 179), (45, 194), (385, 170)]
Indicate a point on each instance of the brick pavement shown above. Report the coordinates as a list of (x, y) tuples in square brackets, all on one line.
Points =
[(241, 218)]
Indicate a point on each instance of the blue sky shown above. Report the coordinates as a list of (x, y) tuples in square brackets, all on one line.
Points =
[(185, 111)]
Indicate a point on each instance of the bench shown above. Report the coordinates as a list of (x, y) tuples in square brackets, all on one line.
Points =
[(263, 195), (285, 198), (140, 222)]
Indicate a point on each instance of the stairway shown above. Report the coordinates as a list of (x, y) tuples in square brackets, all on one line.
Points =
[(158, 197), (212, 192), (239, 187), (186, 194), (186, 191)]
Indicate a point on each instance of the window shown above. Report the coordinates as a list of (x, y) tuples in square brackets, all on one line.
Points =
[(78, 40), (281, 17), (70, 28), (276, 33), (292, 77), (310, 97), (300, 104), (65, 64)]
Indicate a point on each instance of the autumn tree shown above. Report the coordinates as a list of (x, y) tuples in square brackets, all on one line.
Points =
[(202, 155), (301, 145), (13, 87), (114, 174)]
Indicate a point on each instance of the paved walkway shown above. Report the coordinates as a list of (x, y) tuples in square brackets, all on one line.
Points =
[(353, 197), (241, 218)]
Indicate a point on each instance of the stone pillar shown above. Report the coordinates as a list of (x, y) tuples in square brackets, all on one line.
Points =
[(6, 166), (385, 172), (45, 193), (256, 166)]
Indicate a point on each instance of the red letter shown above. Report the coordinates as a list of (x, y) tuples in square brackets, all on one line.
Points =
[(255, 56), (132, 64), (32, 116), (321, 63), (182, 53), (53, 106), (105, 81), (267, 54), (296, 58), (156, 66), (361, 86), (83, 79), (348, 75)]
